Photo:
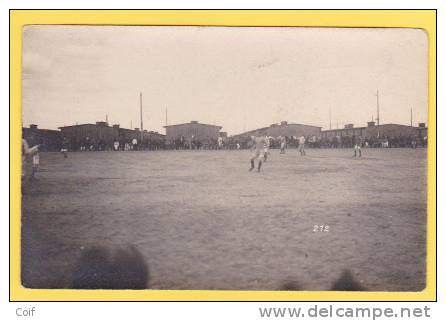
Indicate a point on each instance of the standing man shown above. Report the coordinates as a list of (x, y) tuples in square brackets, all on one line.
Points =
[(282, 144), (27, 151), (116, 145), (64, 149), (135, 144), (357, 150), (36, 162), (301, 148), (357, 141), (266, 148), (257, 148)]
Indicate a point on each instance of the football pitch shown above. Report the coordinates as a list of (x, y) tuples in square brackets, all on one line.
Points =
[(203, 221)]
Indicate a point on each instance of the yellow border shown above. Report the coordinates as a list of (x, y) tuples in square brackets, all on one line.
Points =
[(424, 19)]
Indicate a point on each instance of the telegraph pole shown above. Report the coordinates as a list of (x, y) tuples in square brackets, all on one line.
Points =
[(377, 107), (330, 117), (140, 109), (244, 121), (377, 110)]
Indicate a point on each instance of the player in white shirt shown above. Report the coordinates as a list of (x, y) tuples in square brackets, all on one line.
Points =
[(357, 147), (282, 144), (301, 148), (266, 149), (258, 144), (27, 151)]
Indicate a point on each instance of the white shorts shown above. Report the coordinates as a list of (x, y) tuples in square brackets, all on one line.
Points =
[(357, 147)]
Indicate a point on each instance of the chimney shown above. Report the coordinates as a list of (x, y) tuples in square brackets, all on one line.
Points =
[(194, 122), (137, 129), (101, 123), (370, 124), (33, 126), (116, 126), (421, 125), (283, 123)]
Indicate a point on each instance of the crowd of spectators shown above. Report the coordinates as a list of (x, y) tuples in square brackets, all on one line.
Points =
[(231, 143)]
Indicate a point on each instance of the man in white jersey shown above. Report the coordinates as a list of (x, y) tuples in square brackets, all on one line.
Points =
[(257, 148), (282, 144), (357, 142), (266, 148), (27, 151), (301, 148)]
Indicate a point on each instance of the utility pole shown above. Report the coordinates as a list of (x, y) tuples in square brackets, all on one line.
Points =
[(106, 118), (166, 117), (411, 125), (330, 117), (377, 107), (244, 121), (140, 109), (377, 110)]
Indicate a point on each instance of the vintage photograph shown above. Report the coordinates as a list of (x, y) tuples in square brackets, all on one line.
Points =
[(224, 158)]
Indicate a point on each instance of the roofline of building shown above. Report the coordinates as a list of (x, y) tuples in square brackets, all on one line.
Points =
[(42, 129), (399, 125), (119, 128), (299, 125), (192, 124), (333, 130), (77, 125), (278, 125)]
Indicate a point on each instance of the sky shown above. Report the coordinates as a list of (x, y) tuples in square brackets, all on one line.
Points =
[(240, 78)]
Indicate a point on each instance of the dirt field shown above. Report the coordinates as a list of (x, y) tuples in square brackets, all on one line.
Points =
[(203, 221)]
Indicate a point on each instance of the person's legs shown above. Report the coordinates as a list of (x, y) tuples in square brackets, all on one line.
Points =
[(256, 154), (33, 172)]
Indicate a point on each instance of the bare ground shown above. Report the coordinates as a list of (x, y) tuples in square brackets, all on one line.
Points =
[(202, 221)]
